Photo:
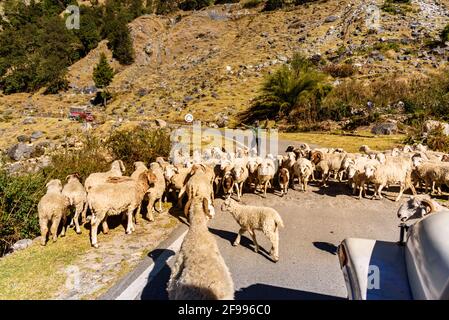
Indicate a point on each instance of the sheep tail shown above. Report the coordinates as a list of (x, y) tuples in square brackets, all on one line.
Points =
[(278, 221)]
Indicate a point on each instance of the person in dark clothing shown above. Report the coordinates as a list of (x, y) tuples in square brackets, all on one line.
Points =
[(256, 140)]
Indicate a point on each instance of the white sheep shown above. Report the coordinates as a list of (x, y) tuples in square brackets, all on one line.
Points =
[(156, 190), (199, 271), (199, 185), (77, 195), (240, 174), (251, 218), (265, 174), (52, 209), (117, 195), (97, 178), (327, 163), (393, 171), (139, 167), (303, 169)]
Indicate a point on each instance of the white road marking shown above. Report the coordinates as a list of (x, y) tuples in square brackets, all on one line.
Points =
[(137, 286)]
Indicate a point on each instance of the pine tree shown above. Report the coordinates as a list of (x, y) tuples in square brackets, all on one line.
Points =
[(103, 74)]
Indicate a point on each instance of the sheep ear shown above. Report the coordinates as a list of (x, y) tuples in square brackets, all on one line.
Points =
[(68, 177)]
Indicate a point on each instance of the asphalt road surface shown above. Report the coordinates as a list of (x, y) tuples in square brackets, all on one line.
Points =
[(315, 221)]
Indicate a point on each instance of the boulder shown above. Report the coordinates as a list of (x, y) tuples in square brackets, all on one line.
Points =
[(29, 120), (21, 244), (330, 19), (24, 138), (36, 135), (385, 128), (21, 151)]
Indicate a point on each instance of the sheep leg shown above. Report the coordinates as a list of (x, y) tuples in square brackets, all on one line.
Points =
[(75, 220), (160, 206), (237, 240), (64, 225), (54, 228), (401, 191), (44, 230), (180, 196), (83, 214), (150, 207), (253, 235), (265, 189), (379, 191), (130, 226), (274, 239), (187, 208), (241, 188), (105, 227), (236, 185), (95, 222)]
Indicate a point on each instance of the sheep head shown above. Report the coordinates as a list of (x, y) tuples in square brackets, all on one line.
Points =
[(351, 170), (370, 169), (227, 205), (416, 207), (54, 185), (364, 148), (75, 175), (316, 157)]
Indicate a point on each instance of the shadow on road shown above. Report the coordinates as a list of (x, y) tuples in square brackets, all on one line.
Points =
[(244, 241), (326, 246), (267, 292), (155, 289)]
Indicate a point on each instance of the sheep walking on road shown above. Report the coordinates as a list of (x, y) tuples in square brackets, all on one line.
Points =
[(52, 209), (118, 195), (251, 218), (77, 196), (200, 272)]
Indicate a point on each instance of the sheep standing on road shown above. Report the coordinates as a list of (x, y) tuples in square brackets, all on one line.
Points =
[(265, 174), (284, 180), (52, 209), (327, 163), (391, 172), (251, 218), (303, 169), (240, 174), (77, 195), (200, 272)]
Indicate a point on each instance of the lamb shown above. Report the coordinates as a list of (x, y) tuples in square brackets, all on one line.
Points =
[(117, 195), (417, 207), (391, 172), (303, 169), (251, 218), (156, 191), (52, 209), (287, 162), (199, 271), (77, 196), (240, 174), (284, 180), (356, 174), (97, 178), (432, 173), (265, 174)]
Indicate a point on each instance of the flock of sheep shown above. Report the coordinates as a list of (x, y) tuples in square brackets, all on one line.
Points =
[(199, 270)]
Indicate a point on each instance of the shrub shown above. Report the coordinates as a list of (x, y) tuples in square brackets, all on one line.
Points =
[(194, 4), (19, 197), (139, 145), (294, 92), (437, 140), (343, 70), (445, 34)]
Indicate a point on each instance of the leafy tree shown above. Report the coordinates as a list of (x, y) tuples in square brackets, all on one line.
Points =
[(102, 76), (120, 42)]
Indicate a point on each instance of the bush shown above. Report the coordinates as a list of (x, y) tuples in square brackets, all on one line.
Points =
[(294, 92), (437, 140), (445, 34), (343, 70), (19, 197), (139, 145)]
